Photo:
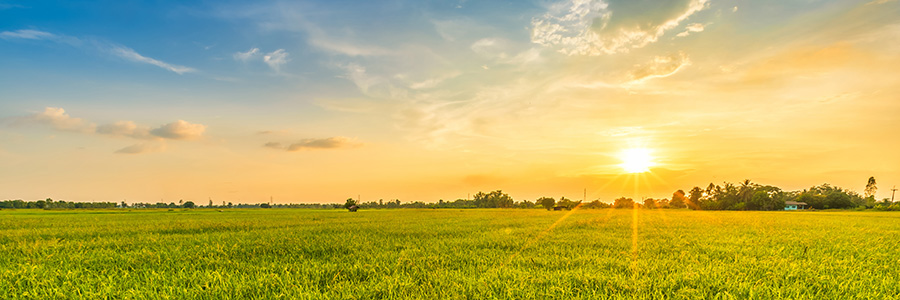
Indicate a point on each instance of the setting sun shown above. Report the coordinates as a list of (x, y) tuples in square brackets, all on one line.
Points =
[(636, 160)]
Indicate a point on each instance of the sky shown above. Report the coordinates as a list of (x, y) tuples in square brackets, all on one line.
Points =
[(320, 101)]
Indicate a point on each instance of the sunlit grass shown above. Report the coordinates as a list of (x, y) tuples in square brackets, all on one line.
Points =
[(448, 254)]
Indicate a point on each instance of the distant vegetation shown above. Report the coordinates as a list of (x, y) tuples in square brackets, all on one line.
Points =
[(50, 204), (728, 196)]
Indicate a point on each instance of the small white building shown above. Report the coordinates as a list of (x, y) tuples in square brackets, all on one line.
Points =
[(793, 205)]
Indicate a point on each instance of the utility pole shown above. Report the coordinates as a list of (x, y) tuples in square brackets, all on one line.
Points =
[(584, 199), (893, 190)]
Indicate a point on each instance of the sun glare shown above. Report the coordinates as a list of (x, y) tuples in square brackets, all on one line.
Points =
[(636, 160)]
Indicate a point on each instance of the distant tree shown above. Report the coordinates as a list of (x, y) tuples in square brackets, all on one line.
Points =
[(870, 187), (650, 203), (623, 203), (230, 205), (493, 199), (678, 199), (596, 204), (265, 205), (546, 202), (567, 204), (663, 203), (350, 202), (693, 201), (870, 191), (189, 204)]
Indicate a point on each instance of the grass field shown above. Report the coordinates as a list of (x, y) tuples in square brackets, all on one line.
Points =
[(448, 254)]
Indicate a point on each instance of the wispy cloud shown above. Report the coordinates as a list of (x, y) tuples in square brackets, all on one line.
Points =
[(660, 66), (588, 27), (10, 6), (345, 48), (28, 34), (691, 28), (145, 147), (877, 2), (129, 54), (276, 59), (337, 142), (101, 46), (245, 56)]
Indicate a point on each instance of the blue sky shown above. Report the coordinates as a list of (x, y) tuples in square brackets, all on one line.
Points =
[(421, 100)]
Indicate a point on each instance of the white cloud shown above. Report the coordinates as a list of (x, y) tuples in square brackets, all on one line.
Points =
[(588, 27), (58, 119), (129, 54), (693, 27), (154, 139), (245, 56), (179, 130), (125, 128), (276, 59), (27, 34)]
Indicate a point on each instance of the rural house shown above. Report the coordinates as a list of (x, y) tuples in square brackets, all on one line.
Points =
[(793, 205)]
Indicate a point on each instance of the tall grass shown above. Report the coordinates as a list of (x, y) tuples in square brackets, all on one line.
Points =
[(448, 254)]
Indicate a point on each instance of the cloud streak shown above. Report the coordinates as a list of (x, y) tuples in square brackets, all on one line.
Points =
[(337, 142), (105, 47), (129, 54), (27, 34), (145, 147)]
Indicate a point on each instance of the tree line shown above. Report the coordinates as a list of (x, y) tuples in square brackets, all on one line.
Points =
[(745, 195), (50, 204)]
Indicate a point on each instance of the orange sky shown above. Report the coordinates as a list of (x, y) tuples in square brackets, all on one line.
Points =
[(316, 102)]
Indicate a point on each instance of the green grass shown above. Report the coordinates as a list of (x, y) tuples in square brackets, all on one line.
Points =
[(448, 254)]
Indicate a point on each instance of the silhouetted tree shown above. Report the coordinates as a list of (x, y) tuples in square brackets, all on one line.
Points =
[(493, 199), (678, 199), (350, 202), (649, 203), (546, 202), (623, 203)]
